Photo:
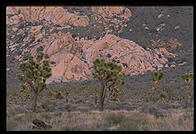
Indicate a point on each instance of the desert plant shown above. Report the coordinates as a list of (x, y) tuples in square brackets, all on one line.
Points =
[(35, 73), (114, 118), (157, 76), (110, 75), (155, 99), (59, 95), (67, 93), (48, 105), (68, 107), (188, 77), (163, 95)]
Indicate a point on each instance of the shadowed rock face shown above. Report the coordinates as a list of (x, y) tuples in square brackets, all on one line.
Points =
[(71, 57)]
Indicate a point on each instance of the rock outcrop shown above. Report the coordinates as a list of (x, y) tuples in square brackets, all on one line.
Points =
[(77, 66), (105, 15), (57, 15), (34, 29)]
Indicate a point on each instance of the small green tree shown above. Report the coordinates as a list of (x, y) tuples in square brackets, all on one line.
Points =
[(157, 76), (35, 73), (188, 78), (110, 75)]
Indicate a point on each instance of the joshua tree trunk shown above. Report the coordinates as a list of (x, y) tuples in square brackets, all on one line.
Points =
[(155, 84), (35, 102), (102, 96)]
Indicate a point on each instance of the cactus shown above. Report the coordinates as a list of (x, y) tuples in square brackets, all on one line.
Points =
[(110, 75), (35, 73), (157, 76)]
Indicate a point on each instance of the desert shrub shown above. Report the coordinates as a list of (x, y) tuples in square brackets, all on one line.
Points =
[(114, 118), (79, 101), (155, 98), (59, 95), (48, 105), (85, 87), (68, 107)]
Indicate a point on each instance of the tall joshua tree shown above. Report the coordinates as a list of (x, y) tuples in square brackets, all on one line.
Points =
[(35, 73), (157, 76), (110, 75)]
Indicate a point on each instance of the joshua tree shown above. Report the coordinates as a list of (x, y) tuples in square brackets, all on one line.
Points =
[(188, 78), (110, 75), (157, 76), (35, 73)]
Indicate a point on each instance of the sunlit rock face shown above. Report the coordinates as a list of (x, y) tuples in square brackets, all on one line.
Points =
[(71, 58)]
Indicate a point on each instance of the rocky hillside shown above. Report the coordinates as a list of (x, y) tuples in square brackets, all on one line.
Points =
[(73, 37)]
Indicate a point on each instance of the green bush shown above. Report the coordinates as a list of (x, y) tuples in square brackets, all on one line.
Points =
[(68, 107), (59, 95), (48, 106), (155, 98), (163, 95)]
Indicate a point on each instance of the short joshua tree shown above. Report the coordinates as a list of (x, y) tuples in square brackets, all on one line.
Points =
[(188, 78), (157, 76), (110, 75), (35, 73)]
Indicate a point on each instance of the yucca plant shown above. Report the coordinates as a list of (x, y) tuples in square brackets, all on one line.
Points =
[(157, 76), (35, 73), (188, 77), (110, 75)]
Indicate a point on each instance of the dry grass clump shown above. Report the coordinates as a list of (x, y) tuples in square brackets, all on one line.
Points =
[(121, 120), (11, 124), (176, 122)]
